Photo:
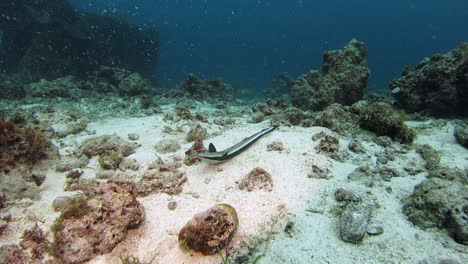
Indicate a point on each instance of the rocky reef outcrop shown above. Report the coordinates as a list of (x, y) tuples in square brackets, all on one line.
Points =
[(342, 80), (438, 85), (52, 39), (11, 87), (280, 88), (20, 145), (461, 134), (441, 201), (104, 81), (206, 90)]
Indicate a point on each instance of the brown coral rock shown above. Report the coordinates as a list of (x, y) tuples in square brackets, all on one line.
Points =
[(191, 154), (210, 231), (20, 145), (257, 179), (94, 226), (327, 146), (196, 132), (107, 144), (166, 179), (167, 146), (275, 146)]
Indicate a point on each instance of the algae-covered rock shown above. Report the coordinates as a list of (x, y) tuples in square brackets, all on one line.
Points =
[(280, 88), (71, 162), (133, 85), (94, 225), (327, 146), (353, 222), (342, 80), (107, 143), (441, 203), (196, 132), (337, 118), (167, 146), (383, 120), (430, 155), (210, 231), (67, 86), (461, 134), (437, 85), (257, 179), (111, 149), (451, 174), (21, 146), (11, 90), (199, 89), (110, 75), (110, 160), (163, 178)]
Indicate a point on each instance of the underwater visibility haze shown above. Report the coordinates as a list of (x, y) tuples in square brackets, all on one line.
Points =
[(251, 42), (341, 131)]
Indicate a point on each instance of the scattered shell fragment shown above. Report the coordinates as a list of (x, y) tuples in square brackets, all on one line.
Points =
[(375, 230)]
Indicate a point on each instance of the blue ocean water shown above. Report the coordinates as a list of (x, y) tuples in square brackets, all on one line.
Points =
[(250, 42)]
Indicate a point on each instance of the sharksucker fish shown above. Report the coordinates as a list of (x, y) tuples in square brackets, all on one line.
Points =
[(214, 157)]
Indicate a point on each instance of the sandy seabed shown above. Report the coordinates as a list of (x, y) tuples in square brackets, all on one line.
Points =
[(306, 202)]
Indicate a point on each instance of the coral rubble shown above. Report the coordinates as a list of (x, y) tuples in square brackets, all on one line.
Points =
[(342, 80)]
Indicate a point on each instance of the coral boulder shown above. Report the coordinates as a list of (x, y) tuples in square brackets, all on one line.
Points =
[(438, 85), (342, 80)]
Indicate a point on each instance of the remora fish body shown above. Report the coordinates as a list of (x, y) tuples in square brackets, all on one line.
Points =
[(214, 157)]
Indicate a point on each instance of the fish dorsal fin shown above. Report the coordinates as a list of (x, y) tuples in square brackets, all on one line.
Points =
[(211, 148)]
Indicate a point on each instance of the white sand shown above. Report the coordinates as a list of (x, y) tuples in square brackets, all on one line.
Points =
[(295, 197)]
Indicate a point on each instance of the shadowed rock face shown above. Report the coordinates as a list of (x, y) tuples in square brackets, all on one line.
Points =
[(50, 39), (342, 79), (438, 85)]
